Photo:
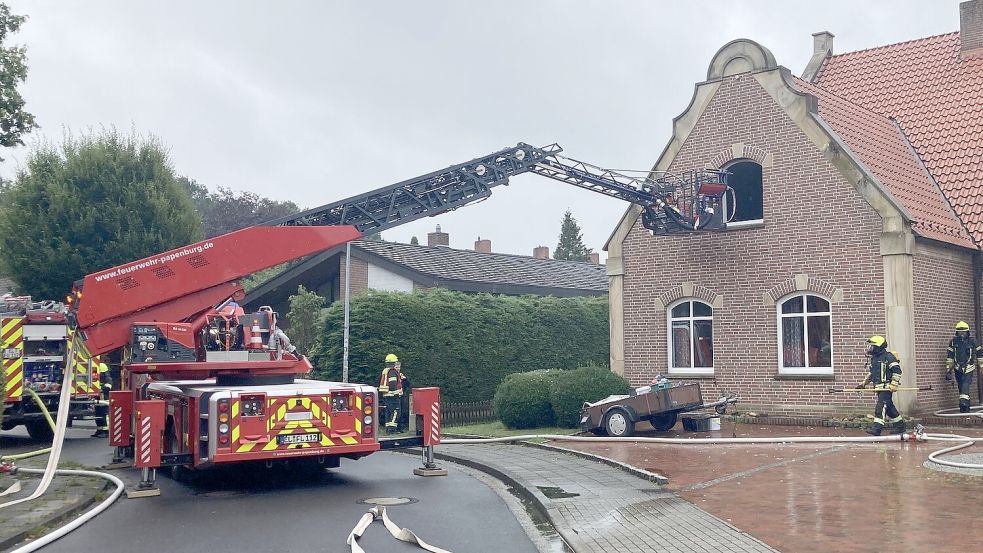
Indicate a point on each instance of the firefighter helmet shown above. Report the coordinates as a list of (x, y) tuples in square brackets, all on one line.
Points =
[(391, 358), (962, 325), (877, 341)]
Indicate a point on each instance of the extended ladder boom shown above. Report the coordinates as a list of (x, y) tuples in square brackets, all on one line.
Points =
[(687, 202), (180, 284)]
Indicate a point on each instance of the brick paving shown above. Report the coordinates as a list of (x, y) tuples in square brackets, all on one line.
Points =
[(613, 510)]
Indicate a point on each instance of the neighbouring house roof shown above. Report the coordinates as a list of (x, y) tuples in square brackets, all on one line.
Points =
[(882, 147), (445, 264), (937, 100), (440, 266)]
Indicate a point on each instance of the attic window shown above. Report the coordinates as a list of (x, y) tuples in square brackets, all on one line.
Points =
[(745, 205)]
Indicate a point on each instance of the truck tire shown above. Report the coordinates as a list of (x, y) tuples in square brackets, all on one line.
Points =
[(39, 430), (618, 423), (664, 422)]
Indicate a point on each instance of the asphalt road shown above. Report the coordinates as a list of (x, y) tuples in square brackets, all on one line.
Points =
[(258, 511)]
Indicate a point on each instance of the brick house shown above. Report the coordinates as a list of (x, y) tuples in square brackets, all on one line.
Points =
[(859, 211), (378, 265)]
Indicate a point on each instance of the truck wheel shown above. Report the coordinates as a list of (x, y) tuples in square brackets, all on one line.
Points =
[(618, 423), (664, 422), (39, 430)]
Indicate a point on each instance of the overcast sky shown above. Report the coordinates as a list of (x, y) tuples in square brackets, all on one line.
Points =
[(317, 101)]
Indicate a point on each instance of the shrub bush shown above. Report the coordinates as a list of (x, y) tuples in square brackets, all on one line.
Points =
[(522, 400), (464, 343), (572, 388)]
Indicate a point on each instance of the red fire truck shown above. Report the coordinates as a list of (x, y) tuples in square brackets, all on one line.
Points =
[(205, 383), (34, 337)]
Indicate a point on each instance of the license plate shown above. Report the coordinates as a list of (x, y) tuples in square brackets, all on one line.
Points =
[(311, 437), (11, 353)]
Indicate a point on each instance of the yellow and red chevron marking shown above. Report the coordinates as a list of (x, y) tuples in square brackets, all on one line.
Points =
[(12, 337), (276, 425)]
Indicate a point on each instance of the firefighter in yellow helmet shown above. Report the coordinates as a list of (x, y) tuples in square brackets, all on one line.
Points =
[(962, 358), (885, 374), (391, 388), (102, 405)]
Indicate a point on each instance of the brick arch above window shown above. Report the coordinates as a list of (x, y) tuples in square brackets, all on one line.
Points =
[(803, 283), (740, 150), (689, 290)]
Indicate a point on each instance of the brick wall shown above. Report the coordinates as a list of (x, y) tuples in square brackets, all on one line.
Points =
[(814, 224), (943, 295), (359, 276)]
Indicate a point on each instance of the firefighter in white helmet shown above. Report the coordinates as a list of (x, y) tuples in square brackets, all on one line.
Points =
[(391, 388)]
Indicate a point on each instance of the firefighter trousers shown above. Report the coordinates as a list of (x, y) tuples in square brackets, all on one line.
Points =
[(884, 411), (964, 379), (393, 412)]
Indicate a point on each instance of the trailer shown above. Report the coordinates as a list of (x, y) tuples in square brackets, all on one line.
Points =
[(659, 405)]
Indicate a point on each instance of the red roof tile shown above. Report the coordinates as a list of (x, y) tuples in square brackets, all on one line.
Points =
[(881, 147), (936, 98)]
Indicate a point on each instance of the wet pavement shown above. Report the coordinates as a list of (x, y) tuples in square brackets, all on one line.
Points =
[(820, 497)]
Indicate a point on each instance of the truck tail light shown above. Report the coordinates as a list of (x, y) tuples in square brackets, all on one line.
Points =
[(367, 408), (223, 421)]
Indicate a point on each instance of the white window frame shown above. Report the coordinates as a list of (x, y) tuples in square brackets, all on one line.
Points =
[(687, 371), (780, 317)]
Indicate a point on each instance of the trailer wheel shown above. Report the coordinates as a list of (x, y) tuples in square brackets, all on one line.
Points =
[(39, 430), (664, 422), (618, 423)]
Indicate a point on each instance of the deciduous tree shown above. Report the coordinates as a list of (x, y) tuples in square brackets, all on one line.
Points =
[(96, 201)]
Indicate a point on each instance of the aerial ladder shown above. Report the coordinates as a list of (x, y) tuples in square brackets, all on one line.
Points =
[(205, 383)]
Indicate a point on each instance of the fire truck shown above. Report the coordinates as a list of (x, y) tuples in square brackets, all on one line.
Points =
[(205, 383), (35, 337)]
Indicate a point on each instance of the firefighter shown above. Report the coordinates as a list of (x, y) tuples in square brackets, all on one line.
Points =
[(885, 374), (962, 358), (391, 388), (102, 405)]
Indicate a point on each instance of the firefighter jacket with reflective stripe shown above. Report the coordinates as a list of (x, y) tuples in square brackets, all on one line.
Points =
[(884, 370), (391, 382), (963, 354)]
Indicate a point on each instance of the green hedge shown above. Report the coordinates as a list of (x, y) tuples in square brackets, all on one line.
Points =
[(572, 388), (522, 400), (464, 343)]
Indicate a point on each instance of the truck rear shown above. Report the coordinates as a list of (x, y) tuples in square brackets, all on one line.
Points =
[(208, 424), (35, 337)]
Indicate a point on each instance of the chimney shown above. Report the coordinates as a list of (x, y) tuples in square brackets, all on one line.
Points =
[(595, 258), (438, 238), (483, 246), (541, 252), (822, 48), (971, 29)]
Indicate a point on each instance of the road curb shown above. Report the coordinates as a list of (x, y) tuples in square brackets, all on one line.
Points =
[(57, 517), (630, 469), (653, 477)]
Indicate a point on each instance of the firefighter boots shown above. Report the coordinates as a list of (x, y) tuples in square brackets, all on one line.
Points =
[(875, 429), (898, 427)]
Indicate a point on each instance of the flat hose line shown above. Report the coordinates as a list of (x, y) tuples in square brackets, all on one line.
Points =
[(401, 534)]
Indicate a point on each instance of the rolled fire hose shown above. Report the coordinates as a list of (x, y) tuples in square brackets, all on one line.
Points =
[(401, 534)]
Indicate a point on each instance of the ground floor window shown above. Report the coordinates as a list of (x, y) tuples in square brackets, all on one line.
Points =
[(690, 337), (804, 330)]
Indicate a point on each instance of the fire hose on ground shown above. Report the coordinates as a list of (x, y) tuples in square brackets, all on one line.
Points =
[(58, 426)]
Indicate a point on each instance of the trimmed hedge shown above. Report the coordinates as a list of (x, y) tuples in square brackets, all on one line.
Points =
[(522, 400), (464, 343), (572, 388)]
